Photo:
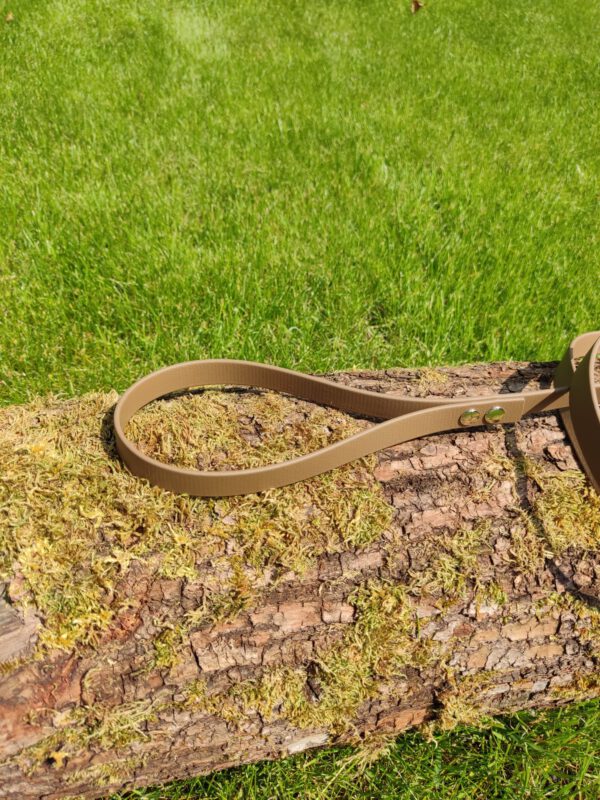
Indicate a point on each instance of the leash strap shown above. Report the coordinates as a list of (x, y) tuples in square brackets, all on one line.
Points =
[(574, 394)]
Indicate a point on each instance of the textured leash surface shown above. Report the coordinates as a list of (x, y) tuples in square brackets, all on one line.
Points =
[(574, 394)]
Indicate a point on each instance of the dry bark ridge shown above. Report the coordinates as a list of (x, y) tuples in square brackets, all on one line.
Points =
[(479, 593)]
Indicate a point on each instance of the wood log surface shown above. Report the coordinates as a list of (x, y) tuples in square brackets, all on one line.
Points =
[(436, 583)]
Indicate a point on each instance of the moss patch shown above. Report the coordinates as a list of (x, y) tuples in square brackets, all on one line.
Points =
[(528, 546), (461, 703), (583, 687), (108, 773), (247, 428), (587, 617), (453, 567), (430, 380), (74, 522), (564, 512), (90, 728), (380, 645), (567, 508)]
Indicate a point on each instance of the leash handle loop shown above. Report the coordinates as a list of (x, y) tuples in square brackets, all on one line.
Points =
[(574, 394)]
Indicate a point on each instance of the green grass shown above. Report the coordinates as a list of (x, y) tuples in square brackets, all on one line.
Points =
[(320, 185)]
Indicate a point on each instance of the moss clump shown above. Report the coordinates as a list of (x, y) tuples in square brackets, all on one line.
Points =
[(216, 606), (528, 549), (247, 428), (280, 691), (583, 687), (461, 703), (567, 508), (86, 728), (429, 379), (6, 667), (108, 773), (490, 593), (168, 646), (74, 522), (453, 567), (459, 710), (289, 527), (380, 645), (587, 617), (564, 512)]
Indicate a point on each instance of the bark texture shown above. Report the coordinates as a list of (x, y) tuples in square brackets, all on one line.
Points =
[(480, 595)]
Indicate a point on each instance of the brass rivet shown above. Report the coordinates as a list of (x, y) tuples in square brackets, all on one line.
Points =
[(470, 417), (495, 414)]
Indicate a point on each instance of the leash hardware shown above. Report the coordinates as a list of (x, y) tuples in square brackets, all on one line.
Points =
[(472, 416), (494, 415), (574, 394)]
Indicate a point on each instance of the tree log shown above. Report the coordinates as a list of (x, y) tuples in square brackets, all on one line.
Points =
[(147, 637)]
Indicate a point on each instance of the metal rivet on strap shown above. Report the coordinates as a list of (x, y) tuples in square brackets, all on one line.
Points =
[(495, 414), (470, 417)]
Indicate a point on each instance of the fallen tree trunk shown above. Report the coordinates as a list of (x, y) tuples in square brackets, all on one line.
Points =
[(147, 637)]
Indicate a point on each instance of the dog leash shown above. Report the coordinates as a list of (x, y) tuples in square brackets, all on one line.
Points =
[(574, 393)]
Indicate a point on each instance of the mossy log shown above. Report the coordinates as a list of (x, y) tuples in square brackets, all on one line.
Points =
[(147, 636)]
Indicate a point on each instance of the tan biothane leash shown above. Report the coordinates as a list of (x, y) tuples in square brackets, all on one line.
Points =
[(574, 394)]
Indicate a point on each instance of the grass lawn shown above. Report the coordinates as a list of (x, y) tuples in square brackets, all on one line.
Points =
[(321, 185)]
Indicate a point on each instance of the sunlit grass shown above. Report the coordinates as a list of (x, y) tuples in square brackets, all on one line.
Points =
[(320, 185)]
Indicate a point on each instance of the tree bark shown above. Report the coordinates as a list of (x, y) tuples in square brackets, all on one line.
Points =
[(480, 595)]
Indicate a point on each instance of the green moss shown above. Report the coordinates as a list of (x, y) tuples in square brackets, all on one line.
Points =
[(458, 710), (383, 641), (566, 507), (168, 646), (249, 428), (453, 567), (74, 521), (379, 646), (116, 727), (217, 606), (106, 521), (6, 667), (430, 380), (583, 687), (95, 728), (587, 618), (528, 549), (461, 703), (564, 512), (111, 772), (490, 593)]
